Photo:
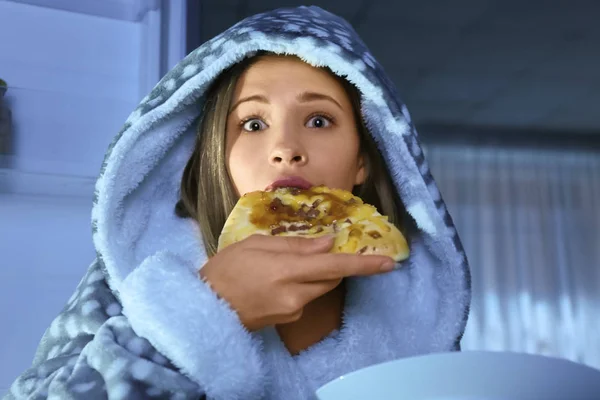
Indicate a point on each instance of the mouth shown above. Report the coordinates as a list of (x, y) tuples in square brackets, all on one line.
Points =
[(290, 182)]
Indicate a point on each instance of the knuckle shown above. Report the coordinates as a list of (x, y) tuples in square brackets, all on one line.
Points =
[(287, 265), (281, 267), (278, 277), (292, 304)]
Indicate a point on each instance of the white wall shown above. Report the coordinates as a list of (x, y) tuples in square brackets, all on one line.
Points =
[(73, 79), (46, 246)]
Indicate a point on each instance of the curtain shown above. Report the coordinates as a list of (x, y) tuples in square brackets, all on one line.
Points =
[(530, 224)]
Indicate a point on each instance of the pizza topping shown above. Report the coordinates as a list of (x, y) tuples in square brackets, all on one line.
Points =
[(277, 206), (374, 234), (278, 230), (302, 212), (355, 233), (363, 250), (312, 213), (294, 228), (322, 211), (307, 213)]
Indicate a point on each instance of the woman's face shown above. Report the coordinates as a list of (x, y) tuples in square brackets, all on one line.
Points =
[(289, 119)]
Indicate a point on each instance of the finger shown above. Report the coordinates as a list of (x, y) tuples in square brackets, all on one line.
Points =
[(325, 267), (291, 244)]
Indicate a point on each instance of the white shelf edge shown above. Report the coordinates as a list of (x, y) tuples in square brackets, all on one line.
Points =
[(15, 182)]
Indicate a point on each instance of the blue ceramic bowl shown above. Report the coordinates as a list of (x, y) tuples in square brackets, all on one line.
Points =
[(468, 375)]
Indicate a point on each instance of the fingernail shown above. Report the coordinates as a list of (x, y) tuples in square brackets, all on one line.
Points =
[(388, 266)]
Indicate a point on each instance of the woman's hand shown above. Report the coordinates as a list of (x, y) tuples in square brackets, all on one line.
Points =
[(268, 280)]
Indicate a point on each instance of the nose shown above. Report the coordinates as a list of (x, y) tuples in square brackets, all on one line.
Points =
[(288, 154)]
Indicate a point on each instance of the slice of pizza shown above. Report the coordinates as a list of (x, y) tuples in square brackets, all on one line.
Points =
[(287, 211)]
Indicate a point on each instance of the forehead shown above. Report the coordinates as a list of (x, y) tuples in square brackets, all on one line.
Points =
[(281, 73)]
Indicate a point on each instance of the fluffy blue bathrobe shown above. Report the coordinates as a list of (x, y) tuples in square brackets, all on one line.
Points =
[(141, 325)]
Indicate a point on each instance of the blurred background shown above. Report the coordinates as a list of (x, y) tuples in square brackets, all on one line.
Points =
[(505, 95)]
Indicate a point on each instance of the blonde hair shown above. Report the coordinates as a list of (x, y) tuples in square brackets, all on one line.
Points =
[(207, 194)]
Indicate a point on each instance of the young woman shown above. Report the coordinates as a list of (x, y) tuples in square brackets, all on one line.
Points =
[(161, 314)]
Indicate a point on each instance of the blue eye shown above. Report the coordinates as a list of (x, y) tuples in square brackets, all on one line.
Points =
[(254, 125), (319, 121)]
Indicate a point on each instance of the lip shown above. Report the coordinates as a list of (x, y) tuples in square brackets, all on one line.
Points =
[(290, 181)]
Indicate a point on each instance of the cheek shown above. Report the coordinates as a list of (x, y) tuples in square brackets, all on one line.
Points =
[(338, 159), (236, 159), (243, 165), (344, 150)]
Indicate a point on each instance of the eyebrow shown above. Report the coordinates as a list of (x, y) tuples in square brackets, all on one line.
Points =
[(257, 97), (304, 97)]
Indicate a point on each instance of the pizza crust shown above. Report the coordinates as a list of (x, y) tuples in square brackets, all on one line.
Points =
[(358, 227)]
